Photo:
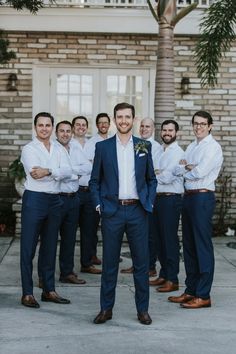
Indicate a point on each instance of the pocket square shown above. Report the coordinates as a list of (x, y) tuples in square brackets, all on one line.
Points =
[(140, 155)]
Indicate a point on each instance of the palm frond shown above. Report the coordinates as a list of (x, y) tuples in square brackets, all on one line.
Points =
[(217, 34)]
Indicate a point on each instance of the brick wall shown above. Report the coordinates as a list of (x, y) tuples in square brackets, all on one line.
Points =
[(83, 49)]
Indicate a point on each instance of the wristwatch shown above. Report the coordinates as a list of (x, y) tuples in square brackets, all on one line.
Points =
[(49, 171)]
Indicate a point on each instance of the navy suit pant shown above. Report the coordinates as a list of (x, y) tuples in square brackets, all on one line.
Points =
[(132, 220), (88, 221), (197, 243), (41, 215), (152, 241), (68, 229), (167, 209)]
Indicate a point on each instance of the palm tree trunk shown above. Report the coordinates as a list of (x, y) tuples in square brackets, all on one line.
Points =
[(164, 105)]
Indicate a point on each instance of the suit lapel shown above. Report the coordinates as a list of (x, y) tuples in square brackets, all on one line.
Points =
[(136, 158), (113, 154)]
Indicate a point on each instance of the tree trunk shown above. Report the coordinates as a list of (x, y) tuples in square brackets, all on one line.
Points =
[(164, 104)]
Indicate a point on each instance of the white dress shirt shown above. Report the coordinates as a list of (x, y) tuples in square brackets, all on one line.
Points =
[(165, 162), (126, 169), (35, 154), (79, 165), (208, 158), (155, 147)]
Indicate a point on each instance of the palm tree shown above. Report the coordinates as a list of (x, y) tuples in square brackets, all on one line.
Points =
[(167, 17), (217, 33)]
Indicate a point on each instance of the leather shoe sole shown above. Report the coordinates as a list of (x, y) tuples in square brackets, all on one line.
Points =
[(129, 270), (196, 303), (91, 270), (167, 287), (182, 299), (103, 316), (29, 301), (72, 279), (52, 296), (157, 282), (144, 318)]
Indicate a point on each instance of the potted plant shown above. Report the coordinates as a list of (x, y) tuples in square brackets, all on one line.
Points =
[(16, 171)]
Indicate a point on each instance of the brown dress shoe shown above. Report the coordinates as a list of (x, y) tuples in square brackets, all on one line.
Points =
[(157, 281), (29, 301), (144, 318), (129, 270), (167, 287), (90, 270), (196, 303), (52, 296), (71, 279), (152, 273), (103, 316), (182, 299), (95, 260)]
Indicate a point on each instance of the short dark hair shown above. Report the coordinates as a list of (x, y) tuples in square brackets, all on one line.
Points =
[(124, 105), (170, 121), (205, 115), (43, 114), (63, 122), (100, 115), (79, 117)]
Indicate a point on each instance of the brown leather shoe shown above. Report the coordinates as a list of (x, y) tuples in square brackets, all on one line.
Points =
[(29, 301), (197, 303), (167, 287), (95, 260), (71, 279), (152, 273), (103, 316), (129, 270), (90, 270), (157, 281), (144, 318), (52, 296), (182, 299)]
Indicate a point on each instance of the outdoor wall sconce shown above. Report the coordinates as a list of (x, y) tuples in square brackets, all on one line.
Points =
[(11, 85), (185, 83)]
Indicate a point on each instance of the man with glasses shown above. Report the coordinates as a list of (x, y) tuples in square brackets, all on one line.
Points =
[(200, 168)]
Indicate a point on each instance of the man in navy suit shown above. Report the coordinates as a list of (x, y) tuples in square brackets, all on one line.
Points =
[(123, 188)]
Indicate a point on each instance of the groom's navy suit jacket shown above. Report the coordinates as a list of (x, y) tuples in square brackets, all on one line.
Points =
[(104, 182)]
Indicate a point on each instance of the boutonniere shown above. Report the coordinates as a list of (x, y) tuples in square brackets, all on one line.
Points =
[(141, 147)]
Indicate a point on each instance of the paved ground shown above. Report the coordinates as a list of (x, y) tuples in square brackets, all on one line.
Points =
[(68, 329)]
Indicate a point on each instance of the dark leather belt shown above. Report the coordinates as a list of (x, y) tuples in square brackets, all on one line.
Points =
[(84, 188), (128, 201), (70, 195), (159, 194), (194, 191)]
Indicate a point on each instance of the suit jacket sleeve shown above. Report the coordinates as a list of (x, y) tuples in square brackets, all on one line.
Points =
[(151, 177), (94, 183)]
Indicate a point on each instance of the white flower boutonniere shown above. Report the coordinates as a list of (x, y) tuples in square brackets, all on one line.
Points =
[(141, 147)]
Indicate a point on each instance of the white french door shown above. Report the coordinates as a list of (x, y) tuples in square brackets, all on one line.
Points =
[(67, 92)]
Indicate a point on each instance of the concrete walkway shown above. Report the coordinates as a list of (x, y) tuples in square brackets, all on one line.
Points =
[(68, 329)]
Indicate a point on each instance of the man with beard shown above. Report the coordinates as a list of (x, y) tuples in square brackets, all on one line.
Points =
[(146, 131), (123, 187), (167, 207)]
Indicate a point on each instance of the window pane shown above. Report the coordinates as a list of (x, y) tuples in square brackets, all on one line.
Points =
[(74, 105), (87, 84), (62, 83), (74, 84)]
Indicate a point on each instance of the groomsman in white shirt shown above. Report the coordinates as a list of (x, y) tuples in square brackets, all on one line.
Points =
[(88, 217), (200, 167), (146, 132), (80, 166), (167, 207), (41, 209)]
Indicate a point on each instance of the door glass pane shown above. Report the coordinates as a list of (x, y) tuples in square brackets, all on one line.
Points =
[(74, 96)]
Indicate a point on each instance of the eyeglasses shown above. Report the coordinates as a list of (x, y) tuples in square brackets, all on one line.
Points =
[(103, 123), (201, 125)]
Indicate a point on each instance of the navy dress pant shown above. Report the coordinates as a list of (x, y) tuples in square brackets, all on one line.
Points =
[(167, 209), (133, 220), (68, 229), (41, 215), (197, 243), (152, 241), (88, 221)]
